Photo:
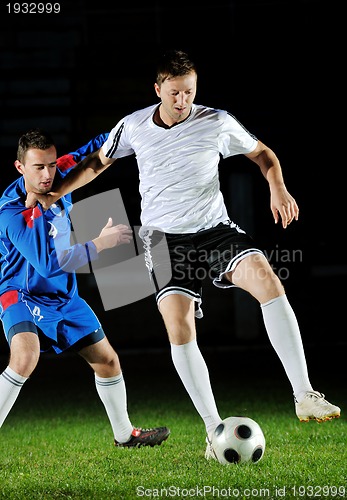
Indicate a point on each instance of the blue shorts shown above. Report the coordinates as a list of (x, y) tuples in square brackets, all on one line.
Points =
[(209, 253), (59, 326)]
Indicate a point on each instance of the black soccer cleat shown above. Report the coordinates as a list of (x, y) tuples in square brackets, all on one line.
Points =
[(145, 437)]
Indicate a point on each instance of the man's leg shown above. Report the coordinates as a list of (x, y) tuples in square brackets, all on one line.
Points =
[(255, 275), (24, 355), (111, 388), (178, 314)]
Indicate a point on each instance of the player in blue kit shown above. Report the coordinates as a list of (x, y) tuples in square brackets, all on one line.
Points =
[(40, 305), (178, 146)]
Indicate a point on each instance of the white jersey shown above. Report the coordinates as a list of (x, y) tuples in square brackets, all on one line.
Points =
[(178, 166)]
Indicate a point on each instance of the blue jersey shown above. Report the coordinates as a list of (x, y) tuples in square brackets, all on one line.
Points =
[(38, 262), (36, 253)]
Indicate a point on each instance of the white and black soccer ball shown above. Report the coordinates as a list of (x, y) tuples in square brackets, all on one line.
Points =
[(238, 439)]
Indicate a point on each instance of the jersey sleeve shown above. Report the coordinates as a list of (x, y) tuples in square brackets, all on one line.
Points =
[(117, 145), (235, 138), (48, 253), (68, 161)]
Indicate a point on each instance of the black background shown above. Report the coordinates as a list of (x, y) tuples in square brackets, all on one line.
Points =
[(275, 65)]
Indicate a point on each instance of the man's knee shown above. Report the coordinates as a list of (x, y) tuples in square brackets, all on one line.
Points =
[(24, 353), (100, 354)]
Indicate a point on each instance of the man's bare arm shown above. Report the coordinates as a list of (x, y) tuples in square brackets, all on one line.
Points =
[(282, 203)]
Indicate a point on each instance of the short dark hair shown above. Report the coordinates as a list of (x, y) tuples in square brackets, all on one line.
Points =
[(35, 138), (174, 63)]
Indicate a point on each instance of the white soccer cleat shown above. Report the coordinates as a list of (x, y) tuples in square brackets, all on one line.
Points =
[(313, 406), (209, 453)]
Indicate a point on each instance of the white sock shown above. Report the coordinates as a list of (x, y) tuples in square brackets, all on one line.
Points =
[(10, 386), (112, 393), (284, 334), (192, 369)]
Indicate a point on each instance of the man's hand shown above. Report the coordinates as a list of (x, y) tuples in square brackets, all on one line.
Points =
[(46, 200), (112, 236), (284, 205)]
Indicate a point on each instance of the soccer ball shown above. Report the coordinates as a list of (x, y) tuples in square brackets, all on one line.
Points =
[(238, 439)]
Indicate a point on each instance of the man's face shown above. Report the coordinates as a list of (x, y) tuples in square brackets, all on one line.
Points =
[(177, 96), (38, 169)]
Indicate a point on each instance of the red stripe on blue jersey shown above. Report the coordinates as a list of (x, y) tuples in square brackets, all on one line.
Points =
[(65, 162), (31, 214), (9, 298)]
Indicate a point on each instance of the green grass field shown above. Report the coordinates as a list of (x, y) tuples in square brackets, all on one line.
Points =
[(57, 442)]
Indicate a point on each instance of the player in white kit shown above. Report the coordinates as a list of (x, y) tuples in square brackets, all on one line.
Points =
[(178, 145)]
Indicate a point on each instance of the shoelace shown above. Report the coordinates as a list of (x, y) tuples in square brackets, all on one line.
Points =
[(317, 395), (311, 394)]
